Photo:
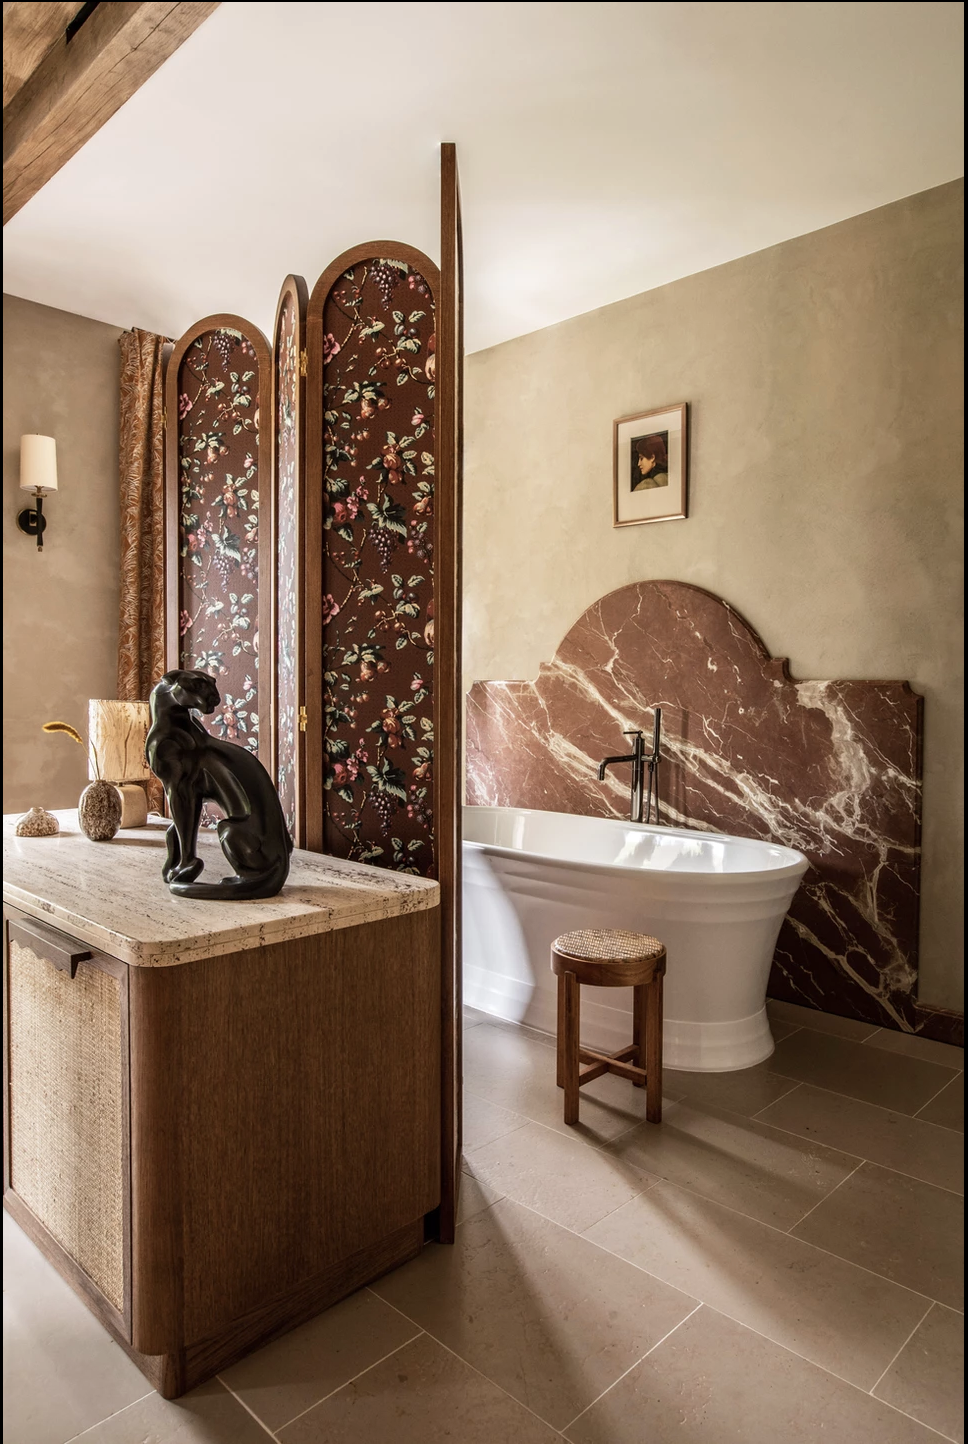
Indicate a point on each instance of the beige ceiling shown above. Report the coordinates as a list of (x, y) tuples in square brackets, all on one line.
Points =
[(604, 149)]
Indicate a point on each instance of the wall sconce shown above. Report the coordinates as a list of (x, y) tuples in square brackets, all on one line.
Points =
[(38, 474)]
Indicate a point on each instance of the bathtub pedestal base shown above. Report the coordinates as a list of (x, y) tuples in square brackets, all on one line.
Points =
[(690, 1047), (718, 1047)]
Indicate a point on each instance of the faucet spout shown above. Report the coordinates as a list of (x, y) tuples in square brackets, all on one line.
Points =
[(636, 757), (640, 765)]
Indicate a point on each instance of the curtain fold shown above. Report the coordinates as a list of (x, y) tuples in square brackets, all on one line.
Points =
[(141, 638)]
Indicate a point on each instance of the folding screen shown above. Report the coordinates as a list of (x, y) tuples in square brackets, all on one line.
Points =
[(218, 538), (347, 565)]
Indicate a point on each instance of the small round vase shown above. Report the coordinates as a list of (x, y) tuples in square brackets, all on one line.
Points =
[(37, 823), (99, 811)]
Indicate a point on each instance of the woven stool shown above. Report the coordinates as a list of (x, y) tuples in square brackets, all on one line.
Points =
[(610, 958)]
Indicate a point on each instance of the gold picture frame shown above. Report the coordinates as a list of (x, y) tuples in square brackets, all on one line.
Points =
[(650, 466)]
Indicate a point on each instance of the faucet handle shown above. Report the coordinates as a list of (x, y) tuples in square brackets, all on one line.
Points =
[(636, 732)]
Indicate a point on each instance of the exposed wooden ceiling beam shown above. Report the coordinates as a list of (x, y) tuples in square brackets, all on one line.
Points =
[(30, 28), (81, 82)]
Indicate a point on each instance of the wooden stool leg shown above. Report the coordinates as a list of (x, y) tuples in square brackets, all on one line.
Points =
[(653, 1049), (561, 1030), (640, 1014), (569, 1050)]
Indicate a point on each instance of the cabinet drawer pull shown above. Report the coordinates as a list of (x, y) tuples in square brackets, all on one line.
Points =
[(65, 953)]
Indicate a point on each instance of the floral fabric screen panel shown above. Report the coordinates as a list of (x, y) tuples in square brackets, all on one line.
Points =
[(218, 387), (378, 566), (288, 540)]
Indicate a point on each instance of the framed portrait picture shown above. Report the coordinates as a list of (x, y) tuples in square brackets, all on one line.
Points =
[(650, 467)]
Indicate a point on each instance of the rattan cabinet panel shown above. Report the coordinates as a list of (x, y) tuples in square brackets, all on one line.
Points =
[(67, 1108)]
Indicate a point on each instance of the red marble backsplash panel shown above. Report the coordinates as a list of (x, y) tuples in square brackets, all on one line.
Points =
[(831, 768)]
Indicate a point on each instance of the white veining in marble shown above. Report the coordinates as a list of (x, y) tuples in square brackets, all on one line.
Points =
[(111, 896)]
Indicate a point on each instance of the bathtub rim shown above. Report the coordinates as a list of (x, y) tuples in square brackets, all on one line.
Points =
[(797, 867)]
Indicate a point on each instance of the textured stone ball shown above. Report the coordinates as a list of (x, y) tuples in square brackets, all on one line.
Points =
[(99, 811), (37, 823)]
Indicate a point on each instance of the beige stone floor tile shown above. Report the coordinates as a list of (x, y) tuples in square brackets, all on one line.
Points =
[(291, 1374), (715, 1382), (207, 1415), (546, 1315), (901, 1228), (912, 1045), (871, 1074), (894, 1140), (839, 1316), (483, 1121), (747, 1091), (948, 1108), (475, 1195), (927, 1380), (418, 1396), (799, 1017), (62, 1371), (562, 1178), (736, 1161), (516, 1072), (473, 1018)]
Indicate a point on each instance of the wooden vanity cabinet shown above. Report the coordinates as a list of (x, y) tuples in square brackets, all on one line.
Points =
[(212, 1152)]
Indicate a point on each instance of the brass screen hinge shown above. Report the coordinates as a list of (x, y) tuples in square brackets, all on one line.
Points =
[(303, 719), (304, 362), (164, 416)]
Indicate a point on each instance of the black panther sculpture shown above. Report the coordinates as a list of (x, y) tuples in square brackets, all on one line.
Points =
[(194, 767)]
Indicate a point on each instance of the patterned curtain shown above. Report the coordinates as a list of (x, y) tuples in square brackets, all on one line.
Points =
[(141, 640)]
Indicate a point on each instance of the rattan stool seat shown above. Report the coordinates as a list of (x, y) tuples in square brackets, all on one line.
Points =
[(608, 944)]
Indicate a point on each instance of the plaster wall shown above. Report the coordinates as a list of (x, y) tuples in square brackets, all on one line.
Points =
[(824, 378), (60, 641)]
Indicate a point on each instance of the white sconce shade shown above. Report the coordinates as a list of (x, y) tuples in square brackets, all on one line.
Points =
[(38, 464)]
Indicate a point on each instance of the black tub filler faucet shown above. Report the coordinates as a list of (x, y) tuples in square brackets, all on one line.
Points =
[(638, 802)]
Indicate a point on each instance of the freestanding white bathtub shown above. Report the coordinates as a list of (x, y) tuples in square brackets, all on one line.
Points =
[(716, 902)]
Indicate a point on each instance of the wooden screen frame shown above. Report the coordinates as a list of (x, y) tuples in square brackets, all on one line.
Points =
[(448, 702), (294, 288), (224, 320)]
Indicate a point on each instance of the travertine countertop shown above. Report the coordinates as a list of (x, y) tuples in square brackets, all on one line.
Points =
[(110, 895)]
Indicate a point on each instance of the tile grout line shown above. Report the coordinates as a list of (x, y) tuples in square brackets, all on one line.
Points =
[(920, 1422), (888, 1168), (108, 1417), (628, 1371), (755, 1117), (900, 1351), (454, 1354), (261, 1422), (849, 1382), (882, 1107), (938, 1095), (774, 1229), (573, 1137), (860, 1164), (695, 1193), (700, 1303), (359, 1375)]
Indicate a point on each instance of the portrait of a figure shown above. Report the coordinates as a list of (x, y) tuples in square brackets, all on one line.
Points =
[(650, 461)]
